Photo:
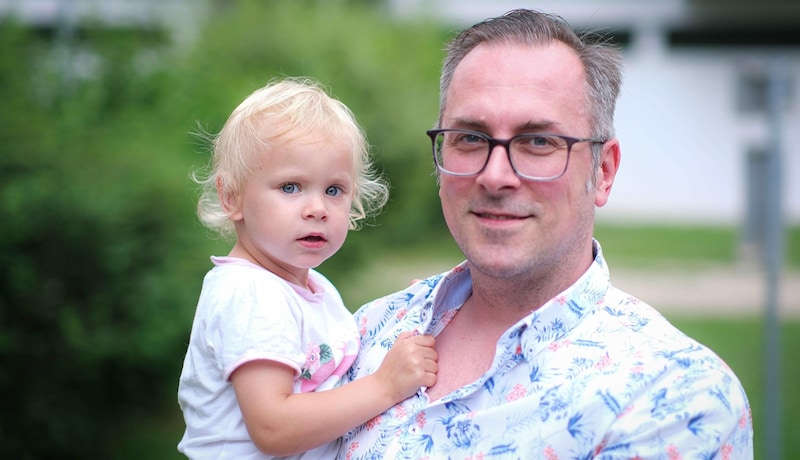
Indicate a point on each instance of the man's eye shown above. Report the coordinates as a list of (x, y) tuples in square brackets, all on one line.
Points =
[(290, 188), (470, 139), (546, 141), (334, 190), (542, 145)]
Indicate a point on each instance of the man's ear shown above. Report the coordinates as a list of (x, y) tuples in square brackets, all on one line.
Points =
[(606, 172), (230, 203)]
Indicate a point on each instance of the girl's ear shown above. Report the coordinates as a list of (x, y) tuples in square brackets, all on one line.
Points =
[(230, 203)]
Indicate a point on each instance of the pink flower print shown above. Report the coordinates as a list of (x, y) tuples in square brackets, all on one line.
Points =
[(447, 317), (602, 301), (599, 448), (562, 300), (420, 419), (400, 411), (673, 453), (312, 358), (517, 392), (626, 411), (318, 367), (632, 300), (401, 313), (554, 346), (746, 416), (373, 422), (550, 453), (604, 362), (352, 448), (727, 450)]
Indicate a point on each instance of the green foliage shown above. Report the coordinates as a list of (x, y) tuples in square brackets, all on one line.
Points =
[(102, 255), (96, 283)]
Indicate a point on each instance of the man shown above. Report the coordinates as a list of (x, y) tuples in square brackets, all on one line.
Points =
[(539, 356)]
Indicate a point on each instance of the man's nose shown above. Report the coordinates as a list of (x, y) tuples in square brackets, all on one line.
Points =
[(499, 172)]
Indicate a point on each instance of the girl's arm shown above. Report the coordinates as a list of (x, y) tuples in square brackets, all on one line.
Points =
[(282, 423)]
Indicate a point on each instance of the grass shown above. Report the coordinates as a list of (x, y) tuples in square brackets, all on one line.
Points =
[(739, 341), (649, 245)]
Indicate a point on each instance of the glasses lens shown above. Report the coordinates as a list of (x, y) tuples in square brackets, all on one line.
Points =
[(539, 156), (533, 156), (460, 153)]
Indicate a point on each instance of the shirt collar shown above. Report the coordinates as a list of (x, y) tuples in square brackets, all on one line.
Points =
[(555, 319), (549, 323)]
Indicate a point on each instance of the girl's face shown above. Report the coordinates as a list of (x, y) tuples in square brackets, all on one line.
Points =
[(294, 211)]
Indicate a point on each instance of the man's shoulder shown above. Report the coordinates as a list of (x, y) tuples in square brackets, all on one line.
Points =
[(630, 324), (414, 296)]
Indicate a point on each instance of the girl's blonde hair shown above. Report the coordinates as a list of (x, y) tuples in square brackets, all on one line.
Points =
[(284, 110)]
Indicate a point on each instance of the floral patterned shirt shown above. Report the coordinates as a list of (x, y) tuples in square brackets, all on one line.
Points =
[(593, 373)]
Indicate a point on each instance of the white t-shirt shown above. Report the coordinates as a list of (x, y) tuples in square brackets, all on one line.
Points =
[(247, 313)]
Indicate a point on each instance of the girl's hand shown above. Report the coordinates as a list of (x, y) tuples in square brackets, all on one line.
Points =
[(409, 365)]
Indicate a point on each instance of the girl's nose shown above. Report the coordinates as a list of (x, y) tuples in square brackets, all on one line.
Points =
[(315, 209)]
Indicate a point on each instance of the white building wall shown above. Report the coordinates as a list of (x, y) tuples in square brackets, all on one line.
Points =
[(685, 142)]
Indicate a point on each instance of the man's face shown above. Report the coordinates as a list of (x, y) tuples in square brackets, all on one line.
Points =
[(505, 225)]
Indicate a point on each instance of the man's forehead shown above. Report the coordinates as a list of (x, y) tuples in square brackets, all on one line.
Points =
[(519, 88)]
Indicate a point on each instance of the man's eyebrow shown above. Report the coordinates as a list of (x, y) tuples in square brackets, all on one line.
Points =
[(469, 123), (527, 127), (538, 126)]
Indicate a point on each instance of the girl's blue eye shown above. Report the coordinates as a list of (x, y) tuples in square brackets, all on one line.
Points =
[(334, 190), (290, 188)]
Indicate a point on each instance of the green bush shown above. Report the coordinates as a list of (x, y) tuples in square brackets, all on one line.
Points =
[(98, 252), (102, 255)]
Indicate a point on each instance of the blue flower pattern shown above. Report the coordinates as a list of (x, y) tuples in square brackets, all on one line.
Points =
[(593, 374)]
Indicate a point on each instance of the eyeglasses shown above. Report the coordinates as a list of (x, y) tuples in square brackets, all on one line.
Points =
[(533, 156)]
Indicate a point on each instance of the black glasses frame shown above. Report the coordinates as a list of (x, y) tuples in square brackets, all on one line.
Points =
[(506, 143)]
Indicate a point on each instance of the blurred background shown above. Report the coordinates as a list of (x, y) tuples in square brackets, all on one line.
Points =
[(102, 256)]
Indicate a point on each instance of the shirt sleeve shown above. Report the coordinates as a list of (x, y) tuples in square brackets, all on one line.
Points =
[(696, 411), (253, 318)]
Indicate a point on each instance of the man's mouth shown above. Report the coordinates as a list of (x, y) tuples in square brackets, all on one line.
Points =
[(483, 215)]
